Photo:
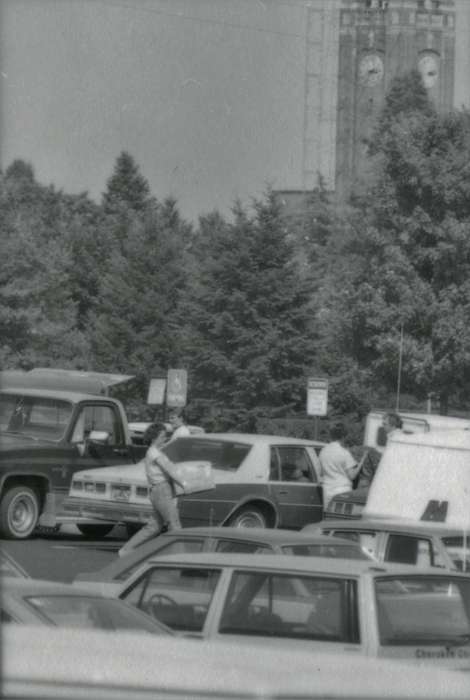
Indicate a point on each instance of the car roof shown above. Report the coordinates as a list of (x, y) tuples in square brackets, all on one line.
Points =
[(300, 564), (254, 438), (268, 535), (46, 378), (406, 526), (457, 439), (72, 396)]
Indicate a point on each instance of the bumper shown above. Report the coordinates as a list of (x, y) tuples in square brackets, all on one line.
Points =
[(110, 512)]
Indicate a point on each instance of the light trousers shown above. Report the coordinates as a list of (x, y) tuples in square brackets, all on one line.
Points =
[(165, 514)]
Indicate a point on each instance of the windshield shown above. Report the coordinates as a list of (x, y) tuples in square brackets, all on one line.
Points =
[(87, 611), (423, 610), (459, 551), (34, 416), (223, 454)]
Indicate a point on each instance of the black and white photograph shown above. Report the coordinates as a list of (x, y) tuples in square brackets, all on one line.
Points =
[(235, 349)]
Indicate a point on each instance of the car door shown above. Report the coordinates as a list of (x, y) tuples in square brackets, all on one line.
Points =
[(104, 418), (293, 484), (178, 595)]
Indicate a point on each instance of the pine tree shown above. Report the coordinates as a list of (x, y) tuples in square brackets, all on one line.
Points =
[(249, 338)]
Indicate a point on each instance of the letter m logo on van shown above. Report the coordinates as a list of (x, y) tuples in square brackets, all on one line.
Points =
[(436, 511)]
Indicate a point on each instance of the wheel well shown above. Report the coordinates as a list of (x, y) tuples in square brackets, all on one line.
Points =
[(266, 508), (38, 483)]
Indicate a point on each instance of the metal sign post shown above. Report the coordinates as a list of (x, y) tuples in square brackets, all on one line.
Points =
[(317, 399)]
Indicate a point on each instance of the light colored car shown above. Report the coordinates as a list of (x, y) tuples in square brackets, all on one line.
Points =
[(226, 540), (35, 602), (423, 544), (73, 664), (329, 605), (261, 481)]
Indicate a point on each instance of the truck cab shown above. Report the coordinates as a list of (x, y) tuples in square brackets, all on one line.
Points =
[(52, 424)]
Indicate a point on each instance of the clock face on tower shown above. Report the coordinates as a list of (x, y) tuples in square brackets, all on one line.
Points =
[(428, 69), (371, 70)]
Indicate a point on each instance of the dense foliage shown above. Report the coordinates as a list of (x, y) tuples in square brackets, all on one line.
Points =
[(253, 306)]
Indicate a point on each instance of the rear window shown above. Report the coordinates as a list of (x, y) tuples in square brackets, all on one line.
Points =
[(423, 610), (223, 454)]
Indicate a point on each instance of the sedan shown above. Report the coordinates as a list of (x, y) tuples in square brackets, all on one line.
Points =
[(418, 543), (35, 602), (260, 481), (227, 539), (333, 605)]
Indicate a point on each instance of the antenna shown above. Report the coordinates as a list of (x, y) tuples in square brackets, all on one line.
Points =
[(400, 359)]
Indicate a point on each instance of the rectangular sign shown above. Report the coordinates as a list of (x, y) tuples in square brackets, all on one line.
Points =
[(176, 388), (317, 396), (156, 395)]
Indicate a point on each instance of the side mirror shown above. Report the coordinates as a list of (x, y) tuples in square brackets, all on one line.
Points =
[(98, 437)]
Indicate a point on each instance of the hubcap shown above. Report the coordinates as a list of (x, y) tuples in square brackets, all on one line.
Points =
[(250, 520), (22, 514)]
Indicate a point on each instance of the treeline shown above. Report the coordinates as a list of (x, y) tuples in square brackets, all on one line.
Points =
[(253, 305)]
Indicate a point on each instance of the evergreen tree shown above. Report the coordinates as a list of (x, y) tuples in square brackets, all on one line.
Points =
[(249, 340)]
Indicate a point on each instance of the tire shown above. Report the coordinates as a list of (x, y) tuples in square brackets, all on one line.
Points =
[(19, 513), (248, 516), (95, 530)]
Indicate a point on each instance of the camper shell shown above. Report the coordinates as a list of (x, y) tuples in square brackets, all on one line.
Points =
[(424, 477)]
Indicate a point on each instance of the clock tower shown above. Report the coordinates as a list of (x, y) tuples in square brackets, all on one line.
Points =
[(379, 40)]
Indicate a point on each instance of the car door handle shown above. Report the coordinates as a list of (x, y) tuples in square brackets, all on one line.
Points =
[(283, 492)]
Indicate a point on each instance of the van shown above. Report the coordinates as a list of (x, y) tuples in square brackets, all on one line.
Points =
[(424, 477), (350, 505), (375, 436)]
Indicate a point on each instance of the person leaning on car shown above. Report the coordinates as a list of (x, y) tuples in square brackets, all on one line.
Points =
[(161, 479), (338, 466), (180, 429)]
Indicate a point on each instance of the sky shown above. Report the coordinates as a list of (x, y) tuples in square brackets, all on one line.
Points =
[(206, 95)]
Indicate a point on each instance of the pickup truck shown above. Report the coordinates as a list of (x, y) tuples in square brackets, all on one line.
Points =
[(54, 423)]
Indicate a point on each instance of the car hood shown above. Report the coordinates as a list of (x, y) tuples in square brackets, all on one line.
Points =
[(135, 473)]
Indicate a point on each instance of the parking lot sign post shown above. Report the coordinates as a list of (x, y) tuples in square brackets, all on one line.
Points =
[(317, 399), (176, 388)]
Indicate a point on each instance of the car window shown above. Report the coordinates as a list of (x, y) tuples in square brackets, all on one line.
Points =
[(180, 546), (405, 549), (87, 611), (366, 540), (459, 551), (425, 610), (223, 454), (290, 606), (98, 417), (290, 463), (242, 547), (34, 416), (180, 596), (335, 551), (5, 616)]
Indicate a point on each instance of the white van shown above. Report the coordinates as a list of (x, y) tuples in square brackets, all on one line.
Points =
[(423, 477), (375, 436)]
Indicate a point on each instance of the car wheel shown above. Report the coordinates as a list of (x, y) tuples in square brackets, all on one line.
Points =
[(249, 516), (95, 530), (19, 513)]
